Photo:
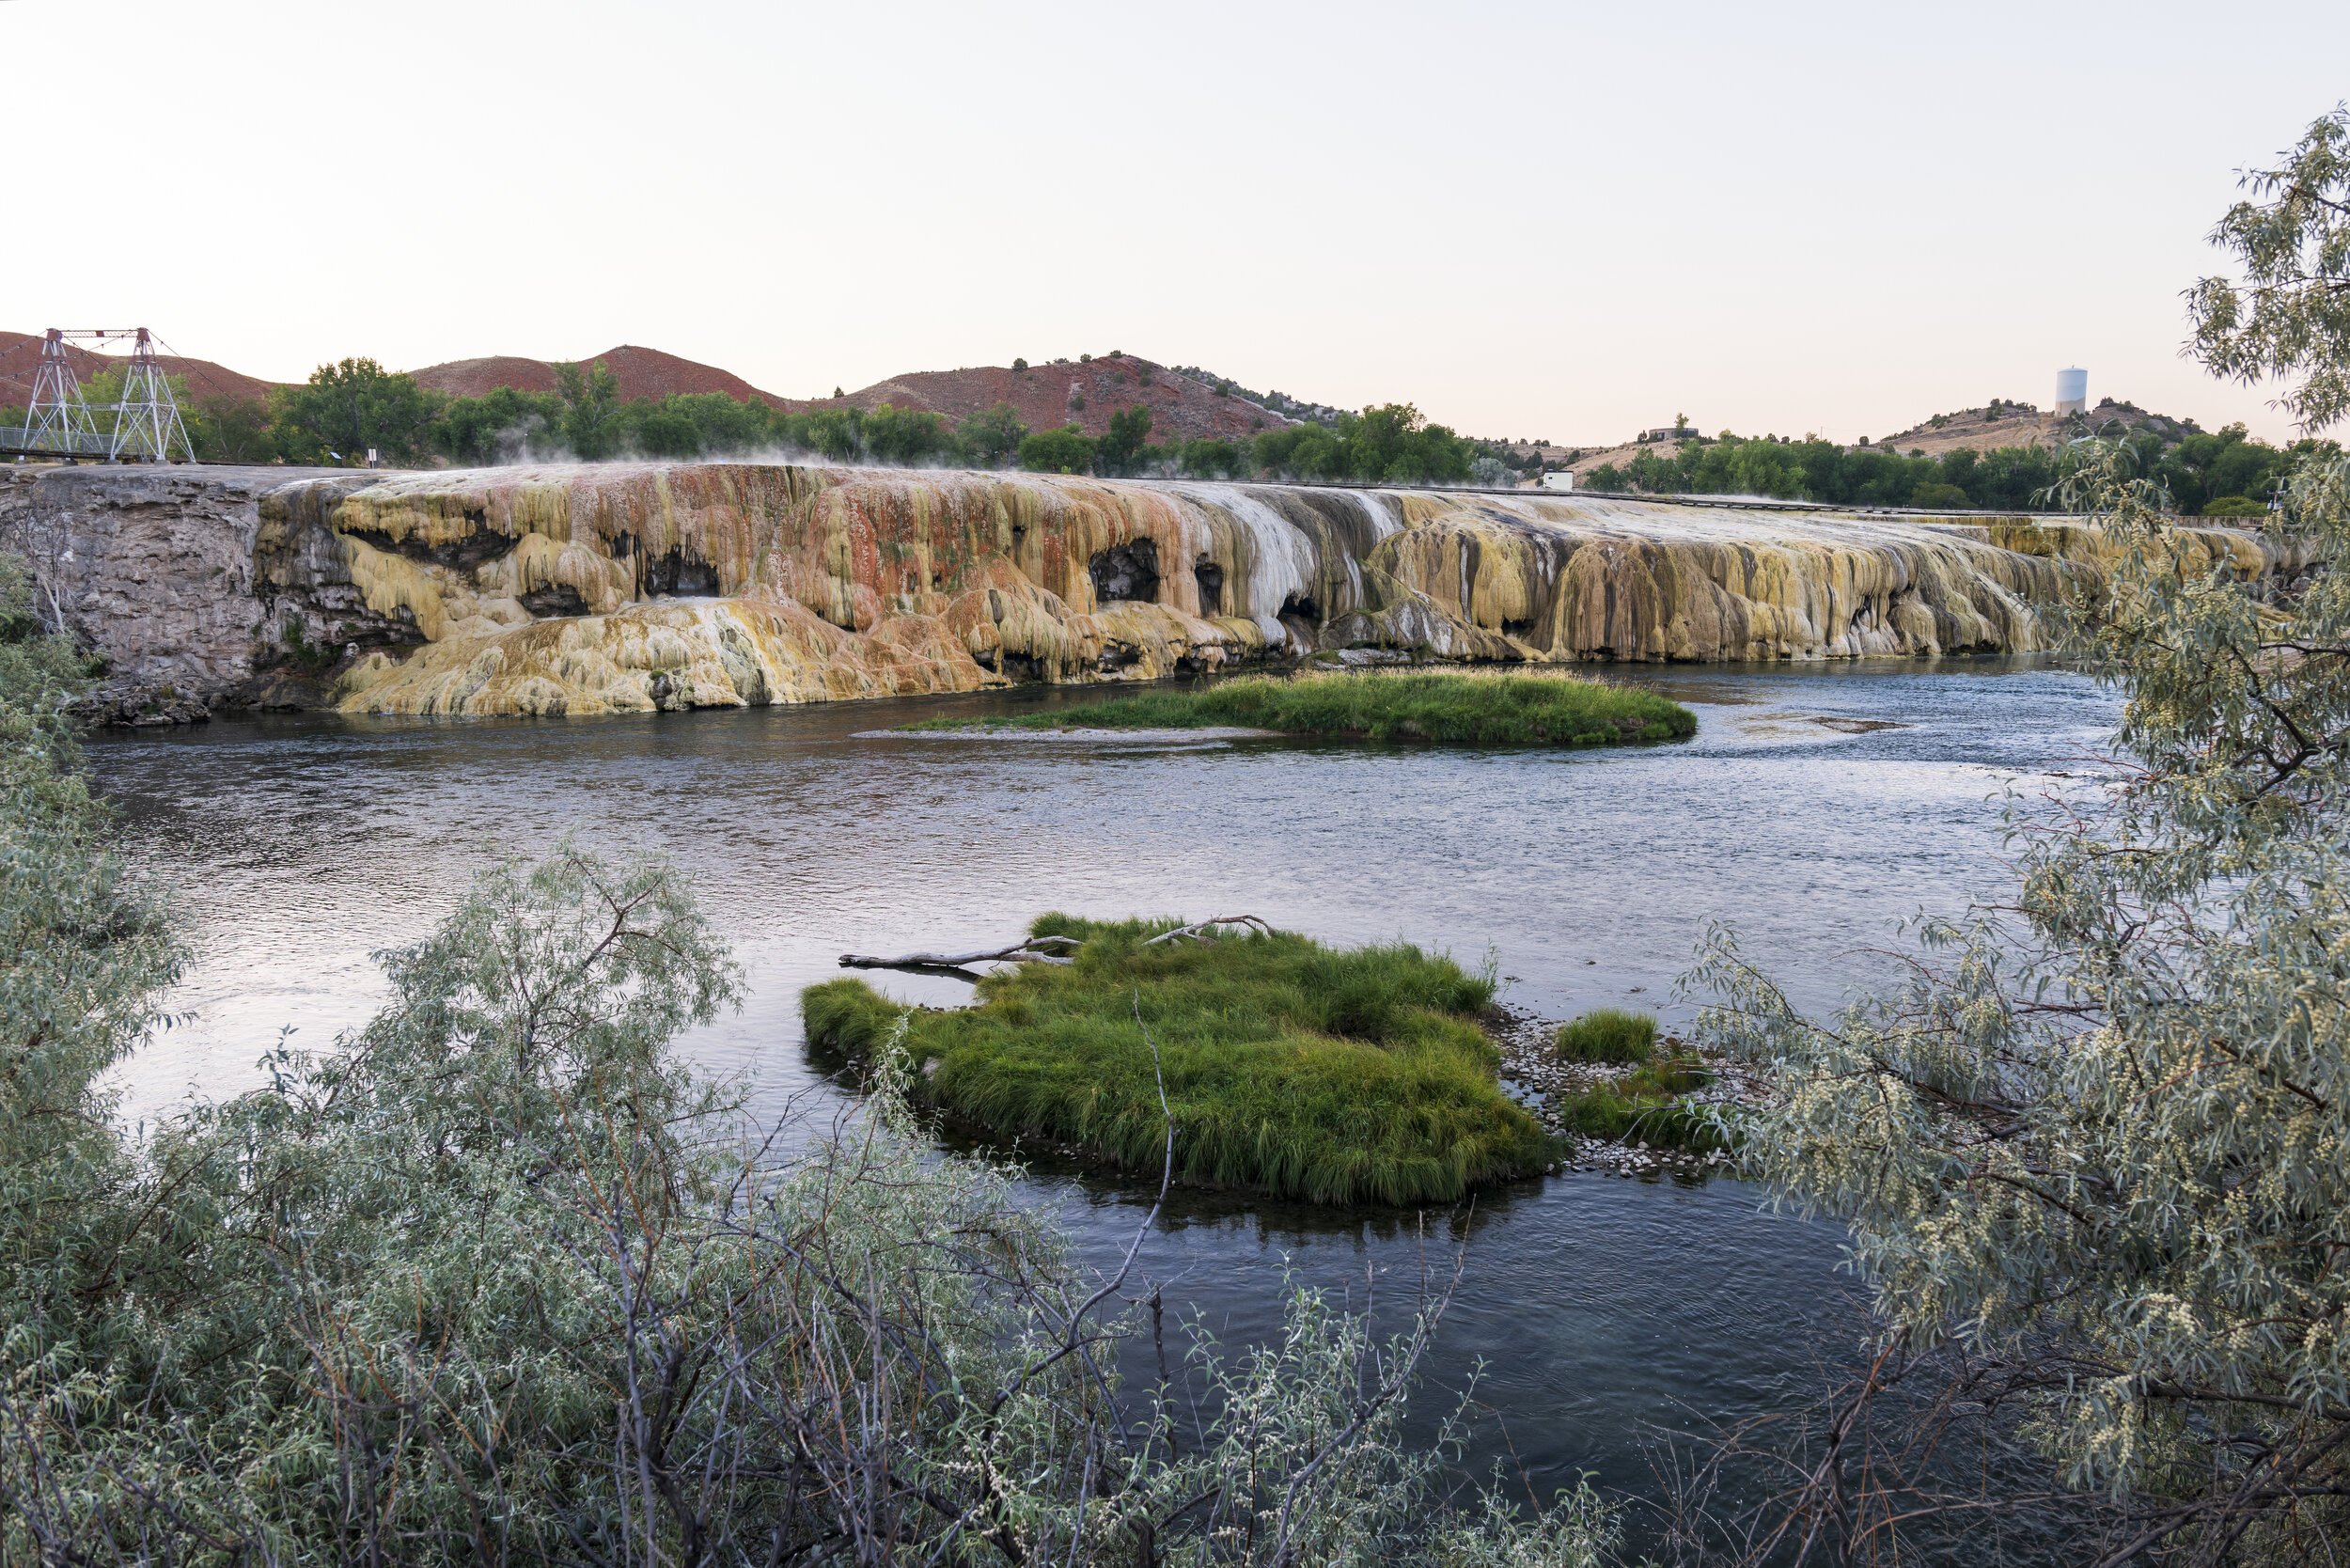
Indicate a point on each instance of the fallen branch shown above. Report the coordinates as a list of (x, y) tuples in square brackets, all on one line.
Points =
[(1027, 951), (1199, 933)]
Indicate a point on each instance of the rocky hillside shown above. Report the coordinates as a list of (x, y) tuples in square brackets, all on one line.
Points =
[(1084, 392), (2021, 425)]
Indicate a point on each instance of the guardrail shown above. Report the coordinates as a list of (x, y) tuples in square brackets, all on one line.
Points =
[(12, 444)]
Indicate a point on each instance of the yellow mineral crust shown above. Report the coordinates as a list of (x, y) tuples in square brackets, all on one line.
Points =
[(699, 654), (587, 588)]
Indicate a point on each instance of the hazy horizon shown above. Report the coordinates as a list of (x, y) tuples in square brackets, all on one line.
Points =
[(1560, 222)]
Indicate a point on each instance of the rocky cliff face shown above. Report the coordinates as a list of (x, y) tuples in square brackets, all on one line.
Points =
[(595, 589)]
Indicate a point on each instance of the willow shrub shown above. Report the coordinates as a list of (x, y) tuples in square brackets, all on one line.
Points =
[(1481, 708), (2101, 1139), (1337, 1076)]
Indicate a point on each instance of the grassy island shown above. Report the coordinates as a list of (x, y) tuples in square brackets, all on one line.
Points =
[(1490, 708), (1333, 1075)]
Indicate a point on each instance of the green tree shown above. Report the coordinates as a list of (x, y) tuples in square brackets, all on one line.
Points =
[(346, 408), (498, 426), (2100, 1138), (592, 425), (230, 429), (993, 436), (1066, 450), (1937, 496), (837, 433), (1213, 457), (1120, 448), (2288, 315), (662, 429), (907, 436)]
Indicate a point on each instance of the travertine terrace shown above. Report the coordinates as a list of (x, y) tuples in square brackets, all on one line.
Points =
[(631, 587)]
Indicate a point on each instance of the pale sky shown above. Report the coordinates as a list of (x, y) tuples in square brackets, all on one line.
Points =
[(1564, 221)]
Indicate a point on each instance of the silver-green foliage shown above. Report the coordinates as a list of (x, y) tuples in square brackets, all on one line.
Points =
[(2103, 1135), (498, 1280)]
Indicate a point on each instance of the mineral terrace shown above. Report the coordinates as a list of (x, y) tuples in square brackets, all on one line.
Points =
[(659, 586)]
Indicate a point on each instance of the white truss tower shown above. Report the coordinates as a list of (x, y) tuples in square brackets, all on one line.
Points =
[(56, 419), (147, 420)]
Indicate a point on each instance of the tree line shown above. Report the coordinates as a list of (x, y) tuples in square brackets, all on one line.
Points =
[(2222, 473), (348, 409)]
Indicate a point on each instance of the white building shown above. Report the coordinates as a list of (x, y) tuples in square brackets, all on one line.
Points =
[(2072, 391)]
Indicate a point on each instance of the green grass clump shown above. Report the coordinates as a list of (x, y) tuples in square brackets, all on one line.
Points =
[(1643, 1104), (1458, 709), (1609, 1034), (1334, 1076)]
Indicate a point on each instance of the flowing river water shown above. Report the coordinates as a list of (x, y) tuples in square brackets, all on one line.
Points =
[(1605, 1312)]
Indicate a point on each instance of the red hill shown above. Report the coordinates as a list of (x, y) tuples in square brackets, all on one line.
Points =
[(646, 375), (1046, 395), (1084, 392)]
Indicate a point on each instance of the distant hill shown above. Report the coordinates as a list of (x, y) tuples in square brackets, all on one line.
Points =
[(2022, 425), (20, 358), (646, 375), (1081, 392), (1983, 429)]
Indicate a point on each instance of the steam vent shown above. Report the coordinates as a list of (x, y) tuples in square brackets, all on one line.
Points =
[(581, 590)]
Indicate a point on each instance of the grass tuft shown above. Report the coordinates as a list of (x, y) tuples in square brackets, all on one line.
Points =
[(1644, 1103), (1609, 1034), (1354, 1076), (1456, 709)]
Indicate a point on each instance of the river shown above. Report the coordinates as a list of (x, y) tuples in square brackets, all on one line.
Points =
[(1605, 1312)]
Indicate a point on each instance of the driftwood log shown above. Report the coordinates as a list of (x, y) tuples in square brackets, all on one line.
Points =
[(1032, 950), (1199, 933), (1027, 951)]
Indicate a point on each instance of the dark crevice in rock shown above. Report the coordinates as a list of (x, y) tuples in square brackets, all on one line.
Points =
[(1301, 606), (679, 574), (470, 550), (1210, 577), (1129, 570), (556, 599)]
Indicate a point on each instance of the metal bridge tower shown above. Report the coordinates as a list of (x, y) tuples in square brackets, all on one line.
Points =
[(56, 420), (146, 426), (147, 420)]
